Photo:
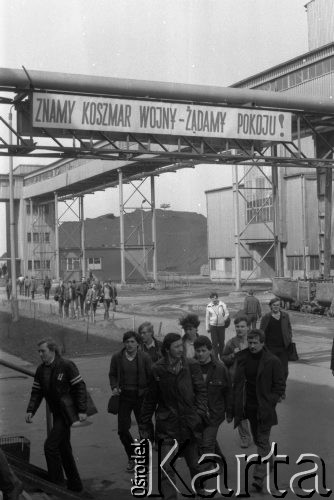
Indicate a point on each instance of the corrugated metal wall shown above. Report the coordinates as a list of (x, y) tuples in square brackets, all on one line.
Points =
[(220, 223), (312, 225), (320, 17), (294, 217)]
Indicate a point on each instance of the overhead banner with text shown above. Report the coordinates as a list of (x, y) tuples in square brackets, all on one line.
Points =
[(147, 117)]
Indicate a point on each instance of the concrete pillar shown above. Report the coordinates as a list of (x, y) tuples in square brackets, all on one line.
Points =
[(82, 234), (121, 225), (154, 231), (57, 267)]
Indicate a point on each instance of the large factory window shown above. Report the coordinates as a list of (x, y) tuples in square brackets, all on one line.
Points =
[(254, 212)]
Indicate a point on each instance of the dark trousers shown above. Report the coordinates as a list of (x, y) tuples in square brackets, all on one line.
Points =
[(218, 339), (252, 318), (7, 477), (106, 304), (129, 402), (82, 304), (58, 454), (209, 443), (191, 456), (46, 293), (261, 438)]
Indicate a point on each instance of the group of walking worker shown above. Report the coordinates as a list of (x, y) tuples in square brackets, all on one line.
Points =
[(182, 387)]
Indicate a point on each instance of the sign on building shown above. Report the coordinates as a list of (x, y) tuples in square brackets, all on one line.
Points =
[(115, 115)]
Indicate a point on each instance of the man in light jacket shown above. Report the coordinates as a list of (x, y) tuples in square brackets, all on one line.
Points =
[(215, 321)]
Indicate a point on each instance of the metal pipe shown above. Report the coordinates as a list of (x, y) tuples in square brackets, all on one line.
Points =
[(235, 184), (57, 270), (154, 231), (16, 79), (121, 225)]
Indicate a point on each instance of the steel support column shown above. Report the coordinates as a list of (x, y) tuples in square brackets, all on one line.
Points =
[(235, 186), (32, 234), (15, 313), (324, 192), (121, 225), (154, 232), (276, 222), (82, 236), (56, 237)]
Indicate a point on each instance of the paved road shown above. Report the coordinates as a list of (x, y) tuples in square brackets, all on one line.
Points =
[(305, 417)]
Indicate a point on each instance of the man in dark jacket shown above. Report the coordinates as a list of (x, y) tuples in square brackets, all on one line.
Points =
[(219, 389), (278, 333), (82, 290), (252, 308), (59, 382), (177, 393), (47, 286), (258, 386), (130, 370)]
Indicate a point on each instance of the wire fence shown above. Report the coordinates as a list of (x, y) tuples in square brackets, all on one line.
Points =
[(48, 310)]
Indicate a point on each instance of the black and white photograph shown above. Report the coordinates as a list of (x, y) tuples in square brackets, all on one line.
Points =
[(166, 249)]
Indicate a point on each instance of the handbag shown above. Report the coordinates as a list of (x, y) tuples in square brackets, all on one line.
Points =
[(292, 352), (113, 404)]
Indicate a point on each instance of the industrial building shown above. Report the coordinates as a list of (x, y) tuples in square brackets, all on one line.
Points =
[(297, 218)]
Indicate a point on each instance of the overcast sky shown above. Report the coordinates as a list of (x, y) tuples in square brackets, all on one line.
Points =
[(211, 42)]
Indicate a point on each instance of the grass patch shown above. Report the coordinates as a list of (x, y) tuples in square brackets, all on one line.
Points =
[(20, 339)]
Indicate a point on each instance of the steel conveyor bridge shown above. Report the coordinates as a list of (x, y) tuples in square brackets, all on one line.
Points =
[(122, 155)]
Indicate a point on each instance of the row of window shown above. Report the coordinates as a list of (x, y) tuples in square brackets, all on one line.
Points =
[(54, 172), (37, 265), (299, 76), (296, 262), (38, 237), (73, 263), (37, 209), (246, 264)]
